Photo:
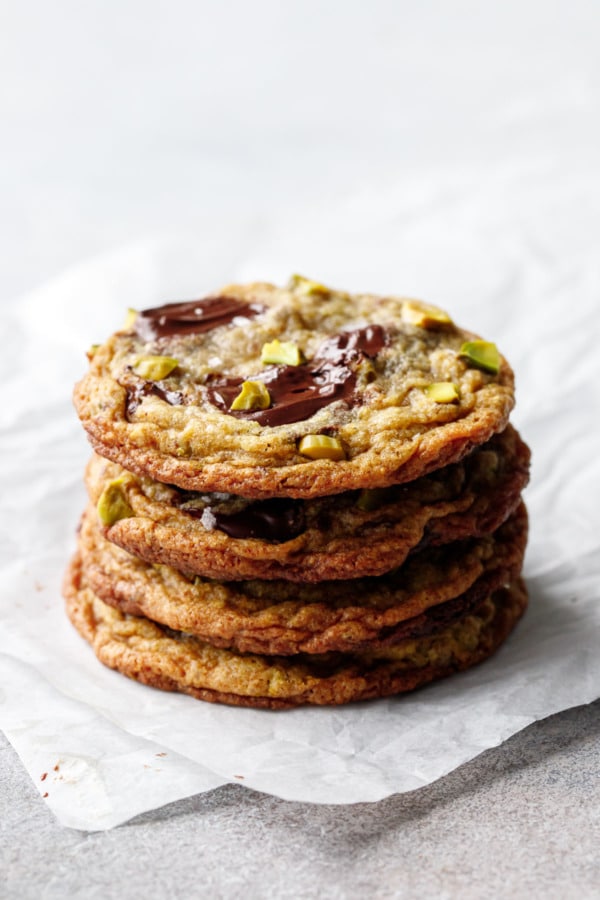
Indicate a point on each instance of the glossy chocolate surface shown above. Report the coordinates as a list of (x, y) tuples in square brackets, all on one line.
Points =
[(136, 394), (369, 340), (192, 317)]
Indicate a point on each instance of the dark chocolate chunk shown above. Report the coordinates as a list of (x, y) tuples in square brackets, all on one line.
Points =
[(192, 316)]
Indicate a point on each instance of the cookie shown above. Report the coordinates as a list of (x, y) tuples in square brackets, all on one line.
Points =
[(299, 392), (176, 661), (353, 534), (280, 617)]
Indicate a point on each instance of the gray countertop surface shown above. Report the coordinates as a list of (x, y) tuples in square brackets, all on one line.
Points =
[(521, 820)]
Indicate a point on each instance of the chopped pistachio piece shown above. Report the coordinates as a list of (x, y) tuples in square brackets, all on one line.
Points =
[(284, 352), (372, 498), (442, 391), (92, 351), (130, 319), (424, 315), (365, 370), (481, 354), (306, 286), (155, 368), (253, 395), (321, 446), (113, 504)]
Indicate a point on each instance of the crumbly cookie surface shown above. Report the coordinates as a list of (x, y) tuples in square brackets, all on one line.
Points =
[(361, 377), (280, 617), (348, 535), (176, 661)]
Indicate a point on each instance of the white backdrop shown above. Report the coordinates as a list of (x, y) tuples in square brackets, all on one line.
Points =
[(124, 120)]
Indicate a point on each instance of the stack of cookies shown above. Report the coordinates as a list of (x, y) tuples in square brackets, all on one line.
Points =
[(298, 496)]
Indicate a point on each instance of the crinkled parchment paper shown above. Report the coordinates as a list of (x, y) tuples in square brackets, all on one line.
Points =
[(513, 254)]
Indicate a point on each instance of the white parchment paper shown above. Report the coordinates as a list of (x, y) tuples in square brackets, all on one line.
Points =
[(512, 252)]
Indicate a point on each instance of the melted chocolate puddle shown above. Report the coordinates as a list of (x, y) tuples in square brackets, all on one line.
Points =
[(192, 317), (297, 392)]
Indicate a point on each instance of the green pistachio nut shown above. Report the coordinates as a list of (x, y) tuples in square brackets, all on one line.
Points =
[(253, 395), (302, 285), (423, 315), (481, 354), (281, 352), (442, 392), (321, 446), (130, 319), (366, 371), (155, 368), (113, 504)]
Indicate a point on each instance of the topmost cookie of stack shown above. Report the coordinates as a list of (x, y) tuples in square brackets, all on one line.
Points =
[(302, 391)]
